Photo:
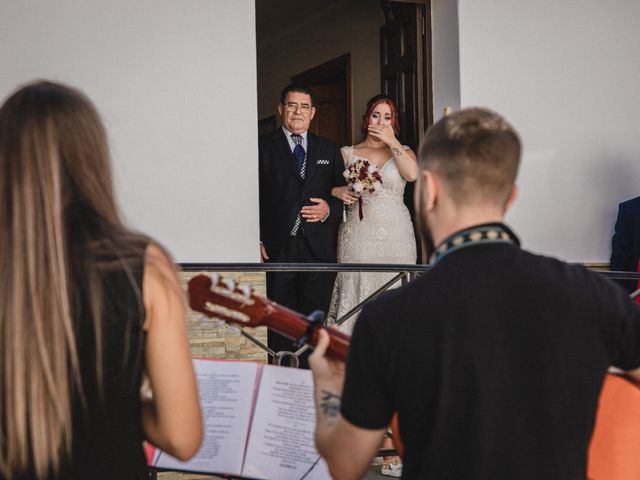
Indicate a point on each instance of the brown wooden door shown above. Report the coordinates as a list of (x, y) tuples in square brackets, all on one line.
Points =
[(331, 119), (404, 75), (331, 82)]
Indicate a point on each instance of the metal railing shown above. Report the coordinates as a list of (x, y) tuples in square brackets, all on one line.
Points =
[(404, 274)]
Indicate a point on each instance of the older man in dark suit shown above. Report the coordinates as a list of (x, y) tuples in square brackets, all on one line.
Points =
[(297, 171), (625, 244)]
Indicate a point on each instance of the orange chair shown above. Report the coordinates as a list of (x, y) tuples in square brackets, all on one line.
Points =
[(614, 453)]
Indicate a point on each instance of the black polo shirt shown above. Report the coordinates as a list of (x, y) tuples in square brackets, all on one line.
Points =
[(494, 360)]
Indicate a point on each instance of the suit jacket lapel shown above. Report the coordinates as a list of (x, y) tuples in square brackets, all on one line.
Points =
[(312, 155), (287, 155)]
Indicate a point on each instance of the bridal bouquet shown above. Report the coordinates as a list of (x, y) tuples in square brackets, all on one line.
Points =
[(363, 178)]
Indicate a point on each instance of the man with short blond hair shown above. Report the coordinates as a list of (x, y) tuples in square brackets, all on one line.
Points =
[(494, 359)]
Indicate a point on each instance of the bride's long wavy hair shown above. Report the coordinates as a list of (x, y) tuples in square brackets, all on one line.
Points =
[(57, 216)]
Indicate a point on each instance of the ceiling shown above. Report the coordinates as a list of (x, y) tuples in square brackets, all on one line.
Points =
[(274, 16)]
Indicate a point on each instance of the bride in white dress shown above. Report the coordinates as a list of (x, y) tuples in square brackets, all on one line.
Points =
[(385, 233)]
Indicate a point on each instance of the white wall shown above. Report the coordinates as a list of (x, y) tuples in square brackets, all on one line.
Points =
[(566, 74), (175, 82)]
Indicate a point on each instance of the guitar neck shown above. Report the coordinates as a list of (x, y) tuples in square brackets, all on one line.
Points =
[(222, 299), (294, 326)]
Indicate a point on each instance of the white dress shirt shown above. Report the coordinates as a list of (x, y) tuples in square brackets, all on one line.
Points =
[(292, 144)]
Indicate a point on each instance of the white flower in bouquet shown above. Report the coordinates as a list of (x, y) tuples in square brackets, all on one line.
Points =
[(358, 187)]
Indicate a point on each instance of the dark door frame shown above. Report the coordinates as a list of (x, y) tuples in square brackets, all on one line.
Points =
[(423, 102)]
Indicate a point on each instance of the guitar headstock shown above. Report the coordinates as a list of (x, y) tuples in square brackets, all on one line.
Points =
[(223, 299)]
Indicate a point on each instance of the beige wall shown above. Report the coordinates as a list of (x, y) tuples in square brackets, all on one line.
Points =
[(349, 26)]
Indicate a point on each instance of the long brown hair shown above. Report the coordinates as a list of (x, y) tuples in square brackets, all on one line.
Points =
[(57, 213)]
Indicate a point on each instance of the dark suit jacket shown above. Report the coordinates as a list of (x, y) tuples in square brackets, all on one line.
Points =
[(283, 193), (625, 244)]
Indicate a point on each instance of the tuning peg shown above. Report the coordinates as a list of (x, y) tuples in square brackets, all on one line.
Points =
[(229, 283), (215, 278), (246, 290)]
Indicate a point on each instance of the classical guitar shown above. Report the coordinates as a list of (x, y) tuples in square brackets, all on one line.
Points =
[(613, 452)]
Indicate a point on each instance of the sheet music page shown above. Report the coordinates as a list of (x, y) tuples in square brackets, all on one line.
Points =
[(226, 395), (281, 443)]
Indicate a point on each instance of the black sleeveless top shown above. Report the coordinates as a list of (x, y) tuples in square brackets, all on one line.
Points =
[(107, 427)]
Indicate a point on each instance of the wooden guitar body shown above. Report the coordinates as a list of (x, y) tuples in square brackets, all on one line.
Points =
[(614, 452)]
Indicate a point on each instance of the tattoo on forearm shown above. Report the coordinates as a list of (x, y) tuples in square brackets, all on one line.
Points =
[(330, 403), (396, 151)]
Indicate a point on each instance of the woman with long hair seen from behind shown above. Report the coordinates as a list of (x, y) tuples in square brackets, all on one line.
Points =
[(88, 308)]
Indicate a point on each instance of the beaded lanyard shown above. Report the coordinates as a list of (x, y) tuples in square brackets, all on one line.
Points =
[(479, 235)]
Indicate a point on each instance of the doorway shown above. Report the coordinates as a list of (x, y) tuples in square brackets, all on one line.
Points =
[(405, 73), (331, 83)]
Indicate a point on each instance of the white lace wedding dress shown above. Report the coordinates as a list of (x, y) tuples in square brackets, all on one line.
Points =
[(384, 235)]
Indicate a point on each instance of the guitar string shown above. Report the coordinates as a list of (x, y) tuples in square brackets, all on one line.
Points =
[(155, 463), (311, 468)]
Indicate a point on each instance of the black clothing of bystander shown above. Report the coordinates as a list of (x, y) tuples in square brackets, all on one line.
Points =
[(625, 244)]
